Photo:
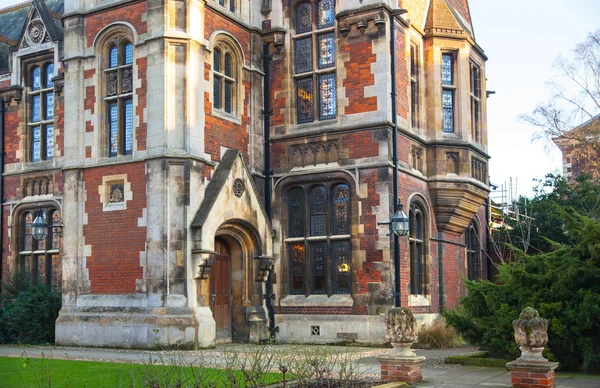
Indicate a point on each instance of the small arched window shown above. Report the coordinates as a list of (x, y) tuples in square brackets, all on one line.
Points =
[(473, 252), (119, 96), (418, 249), (225, 78), (39, 261), (318, 239), (41, 112)]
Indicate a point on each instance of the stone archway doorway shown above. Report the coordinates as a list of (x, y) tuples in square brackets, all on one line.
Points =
[(221, 290)]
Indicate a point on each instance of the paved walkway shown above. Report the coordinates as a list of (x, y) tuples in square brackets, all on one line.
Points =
[(435, 372)]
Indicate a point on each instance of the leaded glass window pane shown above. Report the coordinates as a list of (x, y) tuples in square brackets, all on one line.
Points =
[(49, 114), (303, 18), (326, 45), (232, 5), (113, 129), (297, 260), (217, 60), (128, 123), (326, 14), (128, 53), (36, 78), (296, 213), (41, 269), (447, 73), (49, 75), (217, 92), (36, 144), (304, 100), (222, 3), (304, 58), (318, 266), (228, 91), (35, 108), (228, 72), (340, 256), (318, 211), (327, 97), (341, 209), (49, 142), (27, 237), (448, 110), (113, 57)]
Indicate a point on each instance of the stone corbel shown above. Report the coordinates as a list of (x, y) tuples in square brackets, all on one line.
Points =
[(266, 7), (203, 261), (13, 93), (265, 266), (59, 83)]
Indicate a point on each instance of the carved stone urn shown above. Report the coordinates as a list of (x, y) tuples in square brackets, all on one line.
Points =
[(531, 334), (401, 331)]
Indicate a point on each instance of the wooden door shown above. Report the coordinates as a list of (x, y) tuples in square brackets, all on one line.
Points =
[(221, 290)]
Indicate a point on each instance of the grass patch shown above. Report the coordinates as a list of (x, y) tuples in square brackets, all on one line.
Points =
[(476, 359), (44, 372)]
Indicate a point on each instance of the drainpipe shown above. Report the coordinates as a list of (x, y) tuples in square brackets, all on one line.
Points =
[(488, 244), (441, 287), (1, 187), (269, 296), (395, 159)]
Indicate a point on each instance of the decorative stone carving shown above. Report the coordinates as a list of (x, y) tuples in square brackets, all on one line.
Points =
[(111, 84), (401, 331), (36, 32), (126, 81), (313, 153), (238, 187), (116, 193), (531, 334)]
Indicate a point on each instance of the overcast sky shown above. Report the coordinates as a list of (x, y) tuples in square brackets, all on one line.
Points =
[(522, 39)]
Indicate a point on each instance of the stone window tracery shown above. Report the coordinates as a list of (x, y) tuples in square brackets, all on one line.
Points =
[(41, 111), (314, 63), (118, 73), (39, 261), (318, 239), (418, 249), (225, 78)]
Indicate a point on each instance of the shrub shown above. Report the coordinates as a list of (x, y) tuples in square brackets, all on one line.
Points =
[(438, 334), (563, 285), (28, 313)]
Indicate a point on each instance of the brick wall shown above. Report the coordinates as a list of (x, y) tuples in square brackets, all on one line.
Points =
[(11, 133), (358, 76), (115, 237), (402, 76), (133, 13)]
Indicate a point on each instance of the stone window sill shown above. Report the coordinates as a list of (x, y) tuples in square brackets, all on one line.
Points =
[(419, 300), (318, 300)]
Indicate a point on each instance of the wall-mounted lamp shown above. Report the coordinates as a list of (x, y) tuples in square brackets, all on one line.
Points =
[(400, 223), (204, 261), (40, 227), (265, 266)]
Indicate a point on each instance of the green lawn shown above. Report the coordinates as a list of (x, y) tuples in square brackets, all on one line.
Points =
[(19, 372)]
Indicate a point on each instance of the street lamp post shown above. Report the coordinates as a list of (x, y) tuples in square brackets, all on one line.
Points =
[(400, 226)]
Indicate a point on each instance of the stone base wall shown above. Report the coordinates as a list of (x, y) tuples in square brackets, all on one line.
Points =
[(363, 329), (133, 327)]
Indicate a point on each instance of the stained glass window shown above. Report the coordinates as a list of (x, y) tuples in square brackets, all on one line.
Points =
[(41, 268), (327, 259), (327, 97), (417, 254), (296, 213), (36, 78), (304, 55), (326, 50), (318, 267), (448, 110), (35, 108), (341, 209), (326, 13), (304, 100), (318, 211), (447, 71), (36, 144), (297, 260), (49, 141), (27, 237), (341, 266), (303, 18), (113, 129), (49, 111), (49, 75), (128, 123)]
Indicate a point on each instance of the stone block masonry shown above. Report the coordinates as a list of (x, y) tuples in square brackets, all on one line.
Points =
[(406, 370)]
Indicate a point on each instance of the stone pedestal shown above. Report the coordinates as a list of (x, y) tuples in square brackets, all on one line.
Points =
[(532, 374), (403, 369)]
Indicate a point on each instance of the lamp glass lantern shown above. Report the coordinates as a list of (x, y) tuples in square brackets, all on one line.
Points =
[(39, 227), (400, 222)]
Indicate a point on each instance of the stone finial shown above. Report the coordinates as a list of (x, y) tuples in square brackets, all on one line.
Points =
[(401, 331), (531, 334)]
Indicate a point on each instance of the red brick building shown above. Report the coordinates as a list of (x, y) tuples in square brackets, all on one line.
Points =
[(223, 169)]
